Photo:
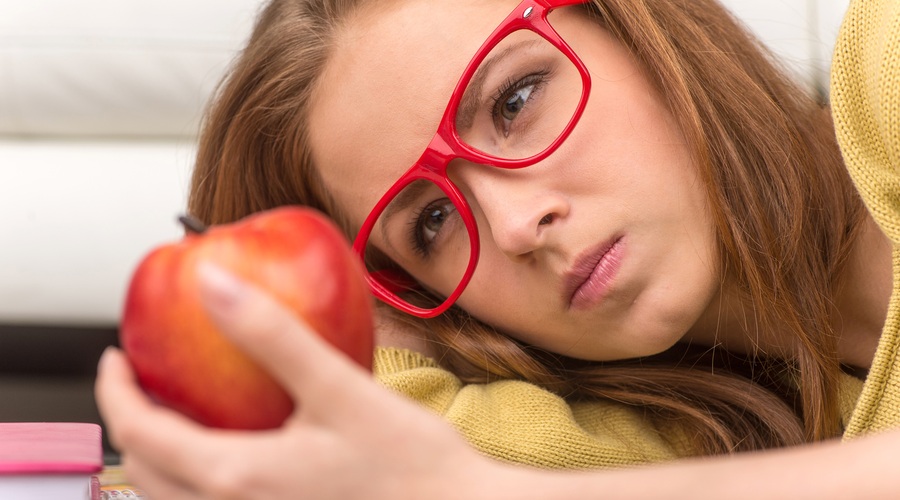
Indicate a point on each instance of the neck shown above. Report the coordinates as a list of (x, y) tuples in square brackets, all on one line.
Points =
[(862, 295), (860, 298)]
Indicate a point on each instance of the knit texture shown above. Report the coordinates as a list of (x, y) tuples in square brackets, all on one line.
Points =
[(865, 92), (519, 422)]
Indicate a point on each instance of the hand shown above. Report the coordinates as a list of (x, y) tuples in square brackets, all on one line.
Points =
[(351, 438), (348, 437)]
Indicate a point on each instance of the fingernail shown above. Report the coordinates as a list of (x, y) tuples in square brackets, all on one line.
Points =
[(219, 286), (107, 354)]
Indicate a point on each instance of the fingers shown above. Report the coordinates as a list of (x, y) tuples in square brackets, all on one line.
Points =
[(281, 342), (162, 438), (155, 483), (170, 456), (119, 398)]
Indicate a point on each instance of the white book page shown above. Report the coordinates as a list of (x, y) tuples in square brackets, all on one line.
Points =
[(46, 487)]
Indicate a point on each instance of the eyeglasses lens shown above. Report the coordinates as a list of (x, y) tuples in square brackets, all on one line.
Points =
[(520, 98), (423, 232)]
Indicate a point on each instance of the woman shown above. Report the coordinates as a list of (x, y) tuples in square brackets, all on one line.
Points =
[(654, 170)]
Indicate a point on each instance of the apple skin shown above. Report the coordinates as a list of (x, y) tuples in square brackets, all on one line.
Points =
[(297, 255)]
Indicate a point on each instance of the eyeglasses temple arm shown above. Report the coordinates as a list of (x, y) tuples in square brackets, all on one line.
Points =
[(396, 281)]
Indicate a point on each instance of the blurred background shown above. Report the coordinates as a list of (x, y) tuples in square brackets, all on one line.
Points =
[(99, 108)]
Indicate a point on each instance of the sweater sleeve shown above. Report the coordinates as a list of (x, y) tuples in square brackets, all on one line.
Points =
[(865, 95), (865, 90), (518, 422)]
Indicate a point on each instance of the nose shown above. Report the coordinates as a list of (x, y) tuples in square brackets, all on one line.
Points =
[(517, 209)]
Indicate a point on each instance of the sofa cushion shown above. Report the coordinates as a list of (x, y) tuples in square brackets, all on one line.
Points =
[(76, 218), (114, 67)]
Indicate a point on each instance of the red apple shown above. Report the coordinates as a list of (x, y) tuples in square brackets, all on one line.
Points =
[(297, 255)]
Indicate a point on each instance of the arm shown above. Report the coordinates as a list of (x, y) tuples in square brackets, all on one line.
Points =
[(865, 96), (352, 438), (865, 468), (516, 421)]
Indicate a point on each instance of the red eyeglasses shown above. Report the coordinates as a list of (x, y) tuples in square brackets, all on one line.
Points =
[(518, 99)]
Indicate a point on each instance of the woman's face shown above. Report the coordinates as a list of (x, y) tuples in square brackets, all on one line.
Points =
[(604, 250)]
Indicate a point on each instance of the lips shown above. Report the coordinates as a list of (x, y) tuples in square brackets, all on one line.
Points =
[(586, 283)]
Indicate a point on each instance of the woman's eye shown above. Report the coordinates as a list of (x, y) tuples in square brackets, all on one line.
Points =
[(428, 224), (514, 97), (515, 102)]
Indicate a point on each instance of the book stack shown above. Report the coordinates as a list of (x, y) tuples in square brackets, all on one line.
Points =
[(50, 461)]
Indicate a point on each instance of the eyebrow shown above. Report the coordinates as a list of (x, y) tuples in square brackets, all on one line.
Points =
[(465, 112)]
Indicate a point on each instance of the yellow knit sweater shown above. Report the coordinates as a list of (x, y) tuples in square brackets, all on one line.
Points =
[(519, 422), (865, 88)]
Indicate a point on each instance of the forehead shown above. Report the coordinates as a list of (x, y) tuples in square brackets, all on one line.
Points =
[(385, 88)]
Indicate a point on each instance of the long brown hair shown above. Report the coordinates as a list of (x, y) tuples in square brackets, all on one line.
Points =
[(785, 211)]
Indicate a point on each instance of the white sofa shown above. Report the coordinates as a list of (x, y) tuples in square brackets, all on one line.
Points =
[(99, 105), (99, 109)]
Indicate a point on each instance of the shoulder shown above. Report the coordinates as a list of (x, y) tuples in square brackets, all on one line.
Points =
[(519, 422)]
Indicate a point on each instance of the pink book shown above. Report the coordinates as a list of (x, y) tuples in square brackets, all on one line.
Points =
[(50, 461)]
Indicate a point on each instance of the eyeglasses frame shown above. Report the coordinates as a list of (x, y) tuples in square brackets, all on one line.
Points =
[(446, 146)]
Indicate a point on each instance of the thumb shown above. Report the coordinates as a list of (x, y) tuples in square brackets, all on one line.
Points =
[(279, 341)]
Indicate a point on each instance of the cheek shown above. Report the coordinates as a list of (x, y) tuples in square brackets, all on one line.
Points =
[(503, 294)]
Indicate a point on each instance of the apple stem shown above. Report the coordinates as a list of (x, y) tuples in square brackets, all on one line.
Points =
[(192, 224)]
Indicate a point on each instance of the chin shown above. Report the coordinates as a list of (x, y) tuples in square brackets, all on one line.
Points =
[(659, 320), (621, 342), (651, 335)]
